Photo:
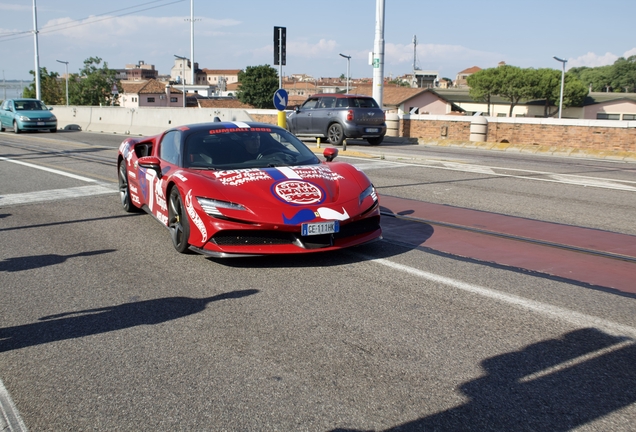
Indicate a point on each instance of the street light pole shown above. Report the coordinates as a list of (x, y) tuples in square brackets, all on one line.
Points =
[(563, 62), (183, 59), (348, 64), (66, 67)]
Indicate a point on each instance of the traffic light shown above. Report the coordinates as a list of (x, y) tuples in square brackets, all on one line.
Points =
[(280, 42)]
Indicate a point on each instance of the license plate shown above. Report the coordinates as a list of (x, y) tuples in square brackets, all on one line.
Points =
[(330, 227), (40, 123), (372, 130)]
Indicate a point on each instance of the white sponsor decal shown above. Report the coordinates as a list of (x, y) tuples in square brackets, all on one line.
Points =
[(160, 197), (330, 214), (298, 192), (181, 177), (150, 176), (238, 177), (132, 174), (314, 172), (162, 217), (133, 188), (194, 217), (135, 198)]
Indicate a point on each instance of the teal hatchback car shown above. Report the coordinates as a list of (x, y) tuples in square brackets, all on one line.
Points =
[(26, 115)]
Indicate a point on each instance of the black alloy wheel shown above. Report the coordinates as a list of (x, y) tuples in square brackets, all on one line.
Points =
[(178, 223), (335, 134)]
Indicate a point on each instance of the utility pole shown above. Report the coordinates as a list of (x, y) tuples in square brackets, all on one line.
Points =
[(38, 92), (378, 54)]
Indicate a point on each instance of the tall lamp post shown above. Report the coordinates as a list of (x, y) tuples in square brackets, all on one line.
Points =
[(183, 60), (66, 67), (563, 62), (348, 64)]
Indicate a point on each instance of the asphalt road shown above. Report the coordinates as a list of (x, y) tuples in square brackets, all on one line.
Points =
[(103, 326)]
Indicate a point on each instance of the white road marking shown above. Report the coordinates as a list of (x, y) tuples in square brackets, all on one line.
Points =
[(56, 194), (570, 316), (571, 179), (576, 361), (10, 419), (51, 170)]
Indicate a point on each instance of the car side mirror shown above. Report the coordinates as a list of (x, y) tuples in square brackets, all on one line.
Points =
[(151, 162), (330, 153), (297, 109), (50, 108)]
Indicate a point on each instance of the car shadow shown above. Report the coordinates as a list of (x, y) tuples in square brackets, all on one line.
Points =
[(77, 324), (553, 385)]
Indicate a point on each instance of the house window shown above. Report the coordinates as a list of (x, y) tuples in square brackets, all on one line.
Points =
[(606, 116), (151, 100), (173, 99), (629, 116)]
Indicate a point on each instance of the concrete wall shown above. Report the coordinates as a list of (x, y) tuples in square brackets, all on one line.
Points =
[(604, 135), (139, 121)]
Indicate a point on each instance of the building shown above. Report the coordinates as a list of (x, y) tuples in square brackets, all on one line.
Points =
[(151, 93), (462, 77), (220, 78)]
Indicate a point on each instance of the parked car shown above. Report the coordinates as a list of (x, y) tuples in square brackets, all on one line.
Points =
[(228, 189), (26, 115), (338, 116)]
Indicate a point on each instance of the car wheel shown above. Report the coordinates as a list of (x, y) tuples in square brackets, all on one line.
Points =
[(53, 130), (2, 129), (124, 190), (375, 140), (16, 129), (335, 134), (178, 223)]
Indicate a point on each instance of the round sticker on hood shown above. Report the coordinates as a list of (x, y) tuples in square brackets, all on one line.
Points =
[(298, 192)]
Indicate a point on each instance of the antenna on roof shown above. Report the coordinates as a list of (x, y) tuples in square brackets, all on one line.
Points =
[(414, 52)]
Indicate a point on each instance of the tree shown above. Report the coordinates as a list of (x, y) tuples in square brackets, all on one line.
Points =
[(93, 85), (51, 89), (257, 86), (483, 85)]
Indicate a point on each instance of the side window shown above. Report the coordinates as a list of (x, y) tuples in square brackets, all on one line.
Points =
[(342, 103), (5, 105), (170, 147), (310, 104), (327, 102)]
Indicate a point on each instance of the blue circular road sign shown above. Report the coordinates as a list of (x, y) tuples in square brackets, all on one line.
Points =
[(280, 99)]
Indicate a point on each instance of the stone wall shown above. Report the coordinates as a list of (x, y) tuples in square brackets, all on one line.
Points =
[(577, 134)]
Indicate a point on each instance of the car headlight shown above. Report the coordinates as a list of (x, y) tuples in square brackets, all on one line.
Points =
[(24, 118), (370, 191), (212, 206), (53, 118)]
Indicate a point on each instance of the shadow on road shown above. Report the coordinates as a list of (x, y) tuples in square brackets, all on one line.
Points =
[(553, 385), (38, 261), (77, 324)]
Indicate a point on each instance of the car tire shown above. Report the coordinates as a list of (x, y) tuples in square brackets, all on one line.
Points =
[(124, 189), (178, 222), (2, 129), (375, 140), (53, 130), (335, 134), (16, 129)]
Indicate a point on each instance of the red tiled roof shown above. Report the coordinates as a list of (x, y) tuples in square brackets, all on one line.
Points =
[(470, 70)]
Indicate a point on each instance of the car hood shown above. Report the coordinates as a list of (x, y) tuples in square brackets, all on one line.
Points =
[(36, 114), (267, 192)]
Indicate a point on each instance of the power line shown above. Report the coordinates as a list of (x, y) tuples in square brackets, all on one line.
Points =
[(78, 23)]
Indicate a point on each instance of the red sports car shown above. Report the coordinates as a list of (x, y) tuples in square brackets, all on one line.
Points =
[(228, 189)]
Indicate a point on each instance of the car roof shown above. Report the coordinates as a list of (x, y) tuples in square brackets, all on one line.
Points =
[(239, 126), (341, 95)]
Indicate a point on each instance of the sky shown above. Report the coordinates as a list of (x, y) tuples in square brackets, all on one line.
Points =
[(233, 34)]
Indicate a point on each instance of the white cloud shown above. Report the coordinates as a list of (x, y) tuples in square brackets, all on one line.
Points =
[(592, 60), (308, 50)]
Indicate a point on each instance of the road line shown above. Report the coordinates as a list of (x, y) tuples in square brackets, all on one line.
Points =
[(51, 170), (570, 316), (56, 194), (10, 419)]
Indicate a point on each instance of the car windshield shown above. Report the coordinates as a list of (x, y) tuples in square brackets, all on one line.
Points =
[(29, 105), (242, 148)]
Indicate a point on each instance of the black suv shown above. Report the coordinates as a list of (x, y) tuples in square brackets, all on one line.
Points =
[(338, 116)]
